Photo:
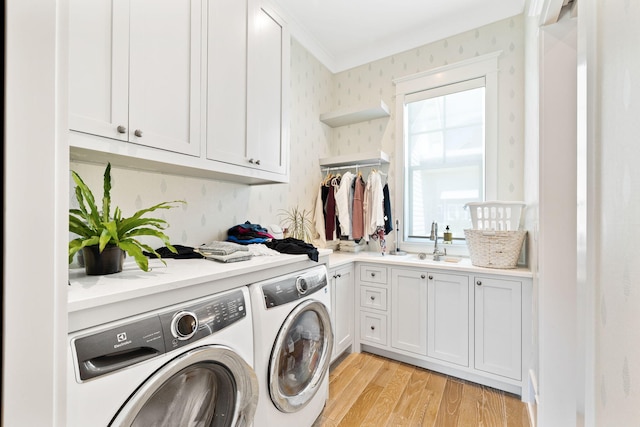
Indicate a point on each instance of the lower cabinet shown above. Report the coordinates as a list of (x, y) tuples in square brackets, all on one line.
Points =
[(342, 304), (459, 323), (409, 310), (448, 317), (498, 326)]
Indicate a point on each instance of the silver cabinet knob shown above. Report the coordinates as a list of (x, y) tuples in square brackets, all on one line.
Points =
[(138, 133), (258, 162), (373, 298), (121, 129), (430, 277), (422, 276), (373, 328), (373, 274), (479, 283)]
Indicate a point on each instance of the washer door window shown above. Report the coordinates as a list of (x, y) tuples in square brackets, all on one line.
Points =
[(301, 356), (205, 387)]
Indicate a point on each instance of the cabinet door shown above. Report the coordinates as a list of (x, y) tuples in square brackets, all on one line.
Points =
[(342, 308), (448, 318), (227, 81), (409, 310), (99, 67), (267, 86), (165, 68), (498, 322)]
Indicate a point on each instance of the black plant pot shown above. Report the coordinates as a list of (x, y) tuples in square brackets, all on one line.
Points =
[(108, 262)]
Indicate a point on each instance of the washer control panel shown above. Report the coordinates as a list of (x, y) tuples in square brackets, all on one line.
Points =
[(294, 286), (201, 320), (117, 347)]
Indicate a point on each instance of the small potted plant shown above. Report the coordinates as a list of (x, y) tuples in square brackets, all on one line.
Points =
[(104, 238), (297, 223)]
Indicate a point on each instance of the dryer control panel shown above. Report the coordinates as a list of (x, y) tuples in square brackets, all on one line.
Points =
[(294, 286), (118, 347)]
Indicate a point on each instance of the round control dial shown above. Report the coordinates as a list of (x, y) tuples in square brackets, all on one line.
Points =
[(301, 285), (184, 325)]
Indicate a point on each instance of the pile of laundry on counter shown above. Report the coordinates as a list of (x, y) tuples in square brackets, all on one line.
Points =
[(225, 251), (244, 241), (247, 240)]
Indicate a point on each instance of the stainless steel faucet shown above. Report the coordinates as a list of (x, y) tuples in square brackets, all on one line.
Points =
[(434, 236)]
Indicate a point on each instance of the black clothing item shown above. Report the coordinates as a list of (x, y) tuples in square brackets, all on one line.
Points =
[(293, 246), (184, 252), (388, 223)]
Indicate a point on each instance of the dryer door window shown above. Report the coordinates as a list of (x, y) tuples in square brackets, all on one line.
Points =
[(301, 356), (202, 388)]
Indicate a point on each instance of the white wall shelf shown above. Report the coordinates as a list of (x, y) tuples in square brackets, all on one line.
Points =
[(370, 158), (355, 115)]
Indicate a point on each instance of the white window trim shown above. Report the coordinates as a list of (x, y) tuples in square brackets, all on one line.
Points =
[(480, 66)]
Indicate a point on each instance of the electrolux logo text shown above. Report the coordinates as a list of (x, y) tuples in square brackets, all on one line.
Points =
[(122, 340)]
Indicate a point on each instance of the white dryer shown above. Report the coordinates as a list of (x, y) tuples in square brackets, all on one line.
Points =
[(293, 341), (186, 365)]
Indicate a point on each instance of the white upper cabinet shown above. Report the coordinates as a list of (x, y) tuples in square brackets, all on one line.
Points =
[(227, 81), (165, 67), (135, 71), (99, 67), (267, 91), (248, 65), (190, 87)]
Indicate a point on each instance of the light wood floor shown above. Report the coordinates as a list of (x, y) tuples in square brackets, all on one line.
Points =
[(368, 390)]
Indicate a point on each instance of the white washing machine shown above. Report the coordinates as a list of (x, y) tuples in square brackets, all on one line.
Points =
[(186, 365), (293, 341)]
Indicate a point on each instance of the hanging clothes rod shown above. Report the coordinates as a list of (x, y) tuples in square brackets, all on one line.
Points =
[(355, 166)]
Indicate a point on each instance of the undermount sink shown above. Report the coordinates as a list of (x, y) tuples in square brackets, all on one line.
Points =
[(427, 257)]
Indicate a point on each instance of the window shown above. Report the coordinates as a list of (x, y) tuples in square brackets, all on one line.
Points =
[(447, 122)]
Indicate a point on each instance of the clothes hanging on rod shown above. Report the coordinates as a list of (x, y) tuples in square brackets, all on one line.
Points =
[(348, 206), (344, 200), (388, 222), (373, 205), (357, 219)]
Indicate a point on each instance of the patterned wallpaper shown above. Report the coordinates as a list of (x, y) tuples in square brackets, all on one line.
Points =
[(617, 316), (374, 81), (215, 206)]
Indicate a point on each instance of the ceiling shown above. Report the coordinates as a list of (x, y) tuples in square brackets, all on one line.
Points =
[(343, 34)]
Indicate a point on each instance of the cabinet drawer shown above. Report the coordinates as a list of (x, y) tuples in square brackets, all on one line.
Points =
[(373, 298), (373, 328), (373, 274)]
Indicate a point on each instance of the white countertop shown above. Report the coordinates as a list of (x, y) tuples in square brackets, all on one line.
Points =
[(95, 300), (337, 259)]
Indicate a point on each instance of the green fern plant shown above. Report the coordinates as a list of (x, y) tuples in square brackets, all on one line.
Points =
[(99, 228), (298, 223)]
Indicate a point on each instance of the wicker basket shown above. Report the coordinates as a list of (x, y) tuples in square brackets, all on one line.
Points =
[(494, 249)]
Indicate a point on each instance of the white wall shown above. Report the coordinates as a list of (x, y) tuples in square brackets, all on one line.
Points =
[(615, 94), (556, 253), (374, 81), (531, 183), (34, 310)]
